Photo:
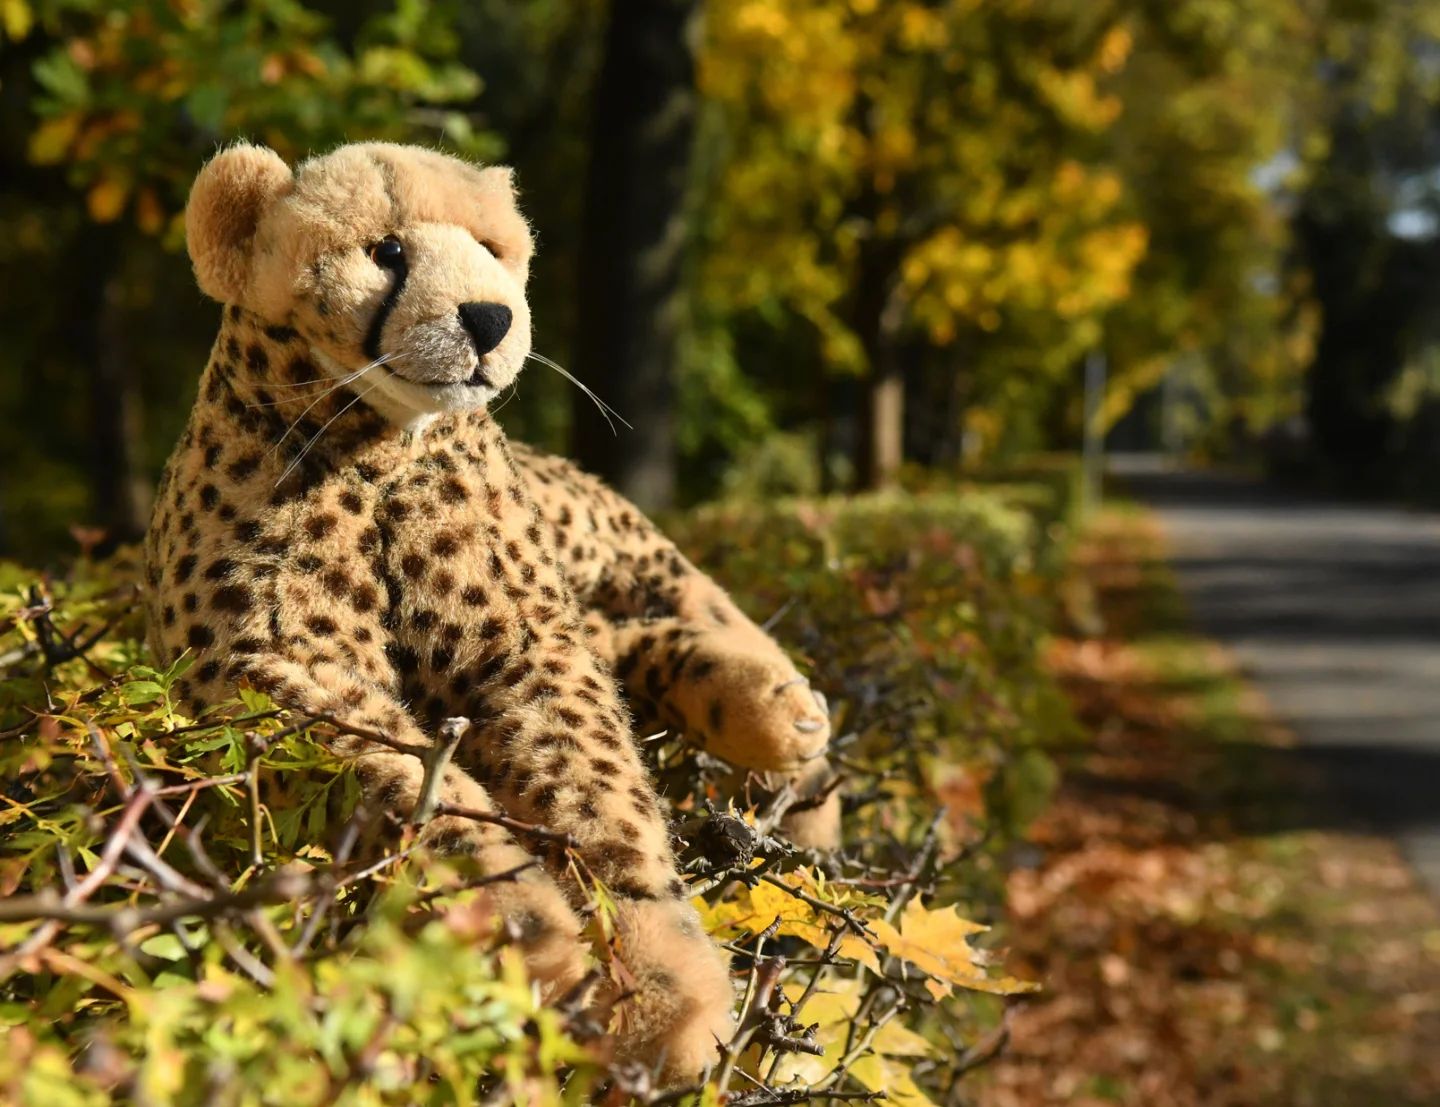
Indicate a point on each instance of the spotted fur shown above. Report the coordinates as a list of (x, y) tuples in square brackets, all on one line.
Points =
[(372, 549)]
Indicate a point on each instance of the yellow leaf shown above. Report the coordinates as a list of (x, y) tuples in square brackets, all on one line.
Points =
[(761, 905), (798, 918), (149, 213), (882, 1074), (897, 1040), (833, 1010), (1115, 49), (16, 18), (106, 199), (51, 140), (938, 944)]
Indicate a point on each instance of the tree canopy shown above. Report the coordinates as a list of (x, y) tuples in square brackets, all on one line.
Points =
[(897, 232)]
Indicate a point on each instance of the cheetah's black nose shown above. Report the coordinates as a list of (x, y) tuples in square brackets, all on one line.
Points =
[(487, 324)]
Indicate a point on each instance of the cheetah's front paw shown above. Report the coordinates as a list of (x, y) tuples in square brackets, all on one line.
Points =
[(749, 705), (814, 821)]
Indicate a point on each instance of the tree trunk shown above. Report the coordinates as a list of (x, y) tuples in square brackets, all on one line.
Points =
[(875, 317), (884, 428), (633, 239), (119, 490), (950, 436)]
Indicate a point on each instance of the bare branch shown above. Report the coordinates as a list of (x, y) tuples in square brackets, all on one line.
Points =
[(514, 825), (450, 735)]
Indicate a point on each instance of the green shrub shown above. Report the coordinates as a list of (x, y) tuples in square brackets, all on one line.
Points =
[(199, 910), (925, 614)]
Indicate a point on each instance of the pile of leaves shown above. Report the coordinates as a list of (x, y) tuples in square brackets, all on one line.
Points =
[(1212, 926), (200, 910)]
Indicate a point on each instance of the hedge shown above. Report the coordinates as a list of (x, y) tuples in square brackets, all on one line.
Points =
[(198, 910)]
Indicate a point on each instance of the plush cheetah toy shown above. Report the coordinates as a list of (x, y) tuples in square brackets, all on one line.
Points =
[(344, 526)]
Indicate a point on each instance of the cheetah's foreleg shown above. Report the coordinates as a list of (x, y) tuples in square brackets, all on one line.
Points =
[(531, 905)]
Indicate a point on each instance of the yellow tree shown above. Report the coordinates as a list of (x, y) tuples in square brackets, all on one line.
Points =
[(1230, 121), (915, 179), (1207, 142)]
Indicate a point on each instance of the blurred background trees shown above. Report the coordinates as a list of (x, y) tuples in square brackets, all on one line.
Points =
[(796, 243)]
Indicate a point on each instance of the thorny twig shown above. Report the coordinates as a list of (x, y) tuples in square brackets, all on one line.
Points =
[(770, 1020), (57, 646), (450, 733), (759, 994), (779, 1096), (515, 826), (252, 793), (828, 958), (853, 921)]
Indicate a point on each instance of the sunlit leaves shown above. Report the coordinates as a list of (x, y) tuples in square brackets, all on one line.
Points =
[(133, 96), (1048, 179), (960, 139), (765, 904), (892, 1051), (934, 942), (922, 616), (937, 942)]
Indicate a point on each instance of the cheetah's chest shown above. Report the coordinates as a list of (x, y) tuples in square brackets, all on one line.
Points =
[(445, 558)]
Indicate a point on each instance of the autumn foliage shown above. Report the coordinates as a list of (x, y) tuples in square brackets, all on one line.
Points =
[(1213, 925), (904, 226), (197, 911)]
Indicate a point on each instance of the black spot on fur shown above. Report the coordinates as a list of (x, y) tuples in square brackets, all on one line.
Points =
[(232, 597), (402, 659)]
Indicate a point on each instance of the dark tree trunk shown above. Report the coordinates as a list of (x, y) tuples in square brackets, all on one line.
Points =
[(875, 317), (119, 491), (633, 239), (825, 435)]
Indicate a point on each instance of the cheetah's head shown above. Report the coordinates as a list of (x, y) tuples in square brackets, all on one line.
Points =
[(397, 258)]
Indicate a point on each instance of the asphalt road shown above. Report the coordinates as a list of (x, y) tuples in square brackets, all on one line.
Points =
[(1333, 610)]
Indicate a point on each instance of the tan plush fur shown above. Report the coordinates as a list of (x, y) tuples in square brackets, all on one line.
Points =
[(343, 526)]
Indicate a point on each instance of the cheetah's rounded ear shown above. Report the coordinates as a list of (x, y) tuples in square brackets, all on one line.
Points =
[(498, 192), (226, 203)]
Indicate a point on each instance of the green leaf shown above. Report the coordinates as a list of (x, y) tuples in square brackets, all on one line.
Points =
[(141, 691), (167, 947), (62, 77)]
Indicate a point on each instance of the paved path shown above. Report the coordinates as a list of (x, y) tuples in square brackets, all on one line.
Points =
[(1334, 611)]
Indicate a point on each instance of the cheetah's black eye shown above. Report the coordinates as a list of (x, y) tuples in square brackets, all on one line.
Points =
[(387, 253)]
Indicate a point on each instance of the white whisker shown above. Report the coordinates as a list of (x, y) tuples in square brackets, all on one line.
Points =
[(328, 381), (316, 438), (329, 387), (510, 394), (302, 384), (605, 409), (340, 382)]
